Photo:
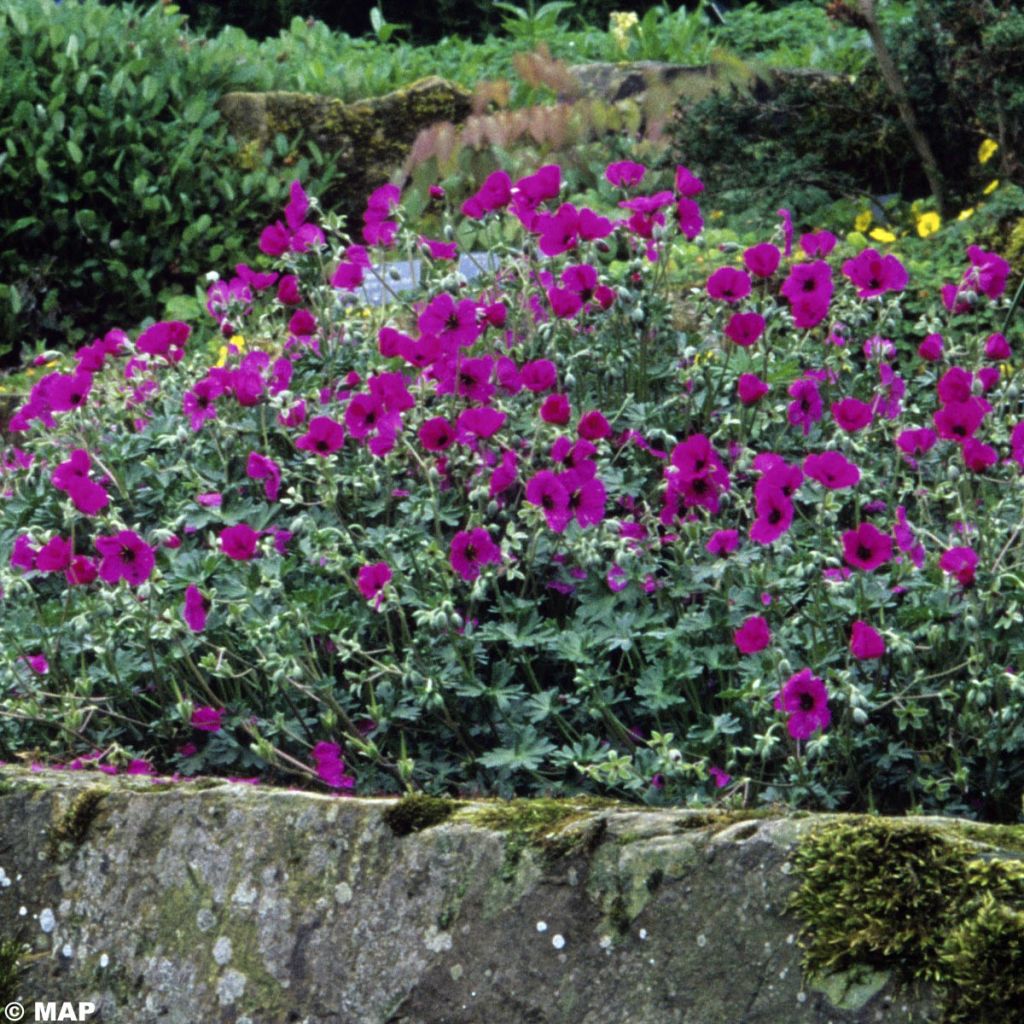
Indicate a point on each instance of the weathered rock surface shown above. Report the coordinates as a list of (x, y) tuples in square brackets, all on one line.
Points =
[(182, 904), (370, 138)]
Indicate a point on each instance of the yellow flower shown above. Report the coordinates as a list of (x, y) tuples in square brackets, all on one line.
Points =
[(966, 214), (881, 235), (238, 341), (990, 187), (620, 23), (222, 356), (987, 150), (928, 224), (863, 221)]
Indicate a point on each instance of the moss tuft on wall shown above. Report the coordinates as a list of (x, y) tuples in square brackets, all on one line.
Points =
[(894, 894)]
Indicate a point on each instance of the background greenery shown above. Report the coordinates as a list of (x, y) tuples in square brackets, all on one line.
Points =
[(119, 185)]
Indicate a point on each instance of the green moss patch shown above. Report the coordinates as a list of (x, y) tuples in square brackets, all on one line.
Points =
[(920, 901), (418, 811), (12, 952)]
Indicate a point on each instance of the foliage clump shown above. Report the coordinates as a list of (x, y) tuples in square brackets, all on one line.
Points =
[(418, 811)]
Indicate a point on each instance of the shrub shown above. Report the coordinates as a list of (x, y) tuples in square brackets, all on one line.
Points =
[(118, 183), (560, 529)]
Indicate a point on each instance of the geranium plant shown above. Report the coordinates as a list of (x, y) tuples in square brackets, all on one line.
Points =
[(567, 526)]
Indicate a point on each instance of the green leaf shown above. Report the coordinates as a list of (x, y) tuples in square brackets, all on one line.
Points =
[(75, 152)]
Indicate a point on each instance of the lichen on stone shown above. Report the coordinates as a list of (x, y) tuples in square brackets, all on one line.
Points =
[(12, 966), (893, 894)]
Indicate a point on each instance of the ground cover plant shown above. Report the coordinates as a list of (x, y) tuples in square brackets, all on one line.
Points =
[(562, 529)]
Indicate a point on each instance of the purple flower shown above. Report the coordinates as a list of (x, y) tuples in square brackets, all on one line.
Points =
[(125, 556), (195, 608), (852, 414), (330, 767), (806, 407), (723, 542), (750, 388), (832, 470), (866, 643), (294, 235), (471, 549), (323, 436), (625, 173), (753, 635), (744, 328), (804, 699), (960, 562), (260, 467), (866, 548), (239, 542), (207, 719), (372, 579), (762, 260), (546, 490), (874, 274), (728, 284)]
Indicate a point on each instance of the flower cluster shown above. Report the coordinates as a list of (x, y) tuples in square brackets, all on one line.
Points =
[(523, 532)]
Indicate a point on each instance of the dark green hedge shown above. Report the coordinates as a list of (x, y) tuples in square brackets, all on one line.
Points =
[(118, 184)]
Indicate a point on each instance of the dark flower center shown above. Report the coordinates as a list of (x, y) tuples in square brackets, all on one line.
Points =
[(806, 702), (470, 553), (864, 553), (127, 555)]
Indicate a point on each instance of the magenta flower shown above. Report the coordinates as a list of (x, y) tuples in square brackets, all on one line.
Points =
[(165, 339), (774, 515), (260, 467), (453, 321), (988, 272), (997, 347), (744, 328), (728, 284), (687, 183), (504, 475), (125, 556), (866, 643), (198, 403), (957, 421), (330, 768), (479, 423), (806, 408), (916, 441), (818, 243), (593, 426), (54, 556), (82, 571), (874, 274), (624, 173), (866, 548), (689, 219), (750, 388), (295, 234), (195, 608), (832, 470), (851, 414), (960, 562), (931, 348), (538, 375), (977, 456), (555, 409), (324, 436), (68, 391), (471, 549), (72, 477), (436, 434), (804, 699), (723, 542), (23, 554), (239, 542), (809, 291), (38, 663), (753, 635), (546, 490), (719, 777), (762, 260), (207, 719), (495, 193), (587, 502), (372, 579)]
